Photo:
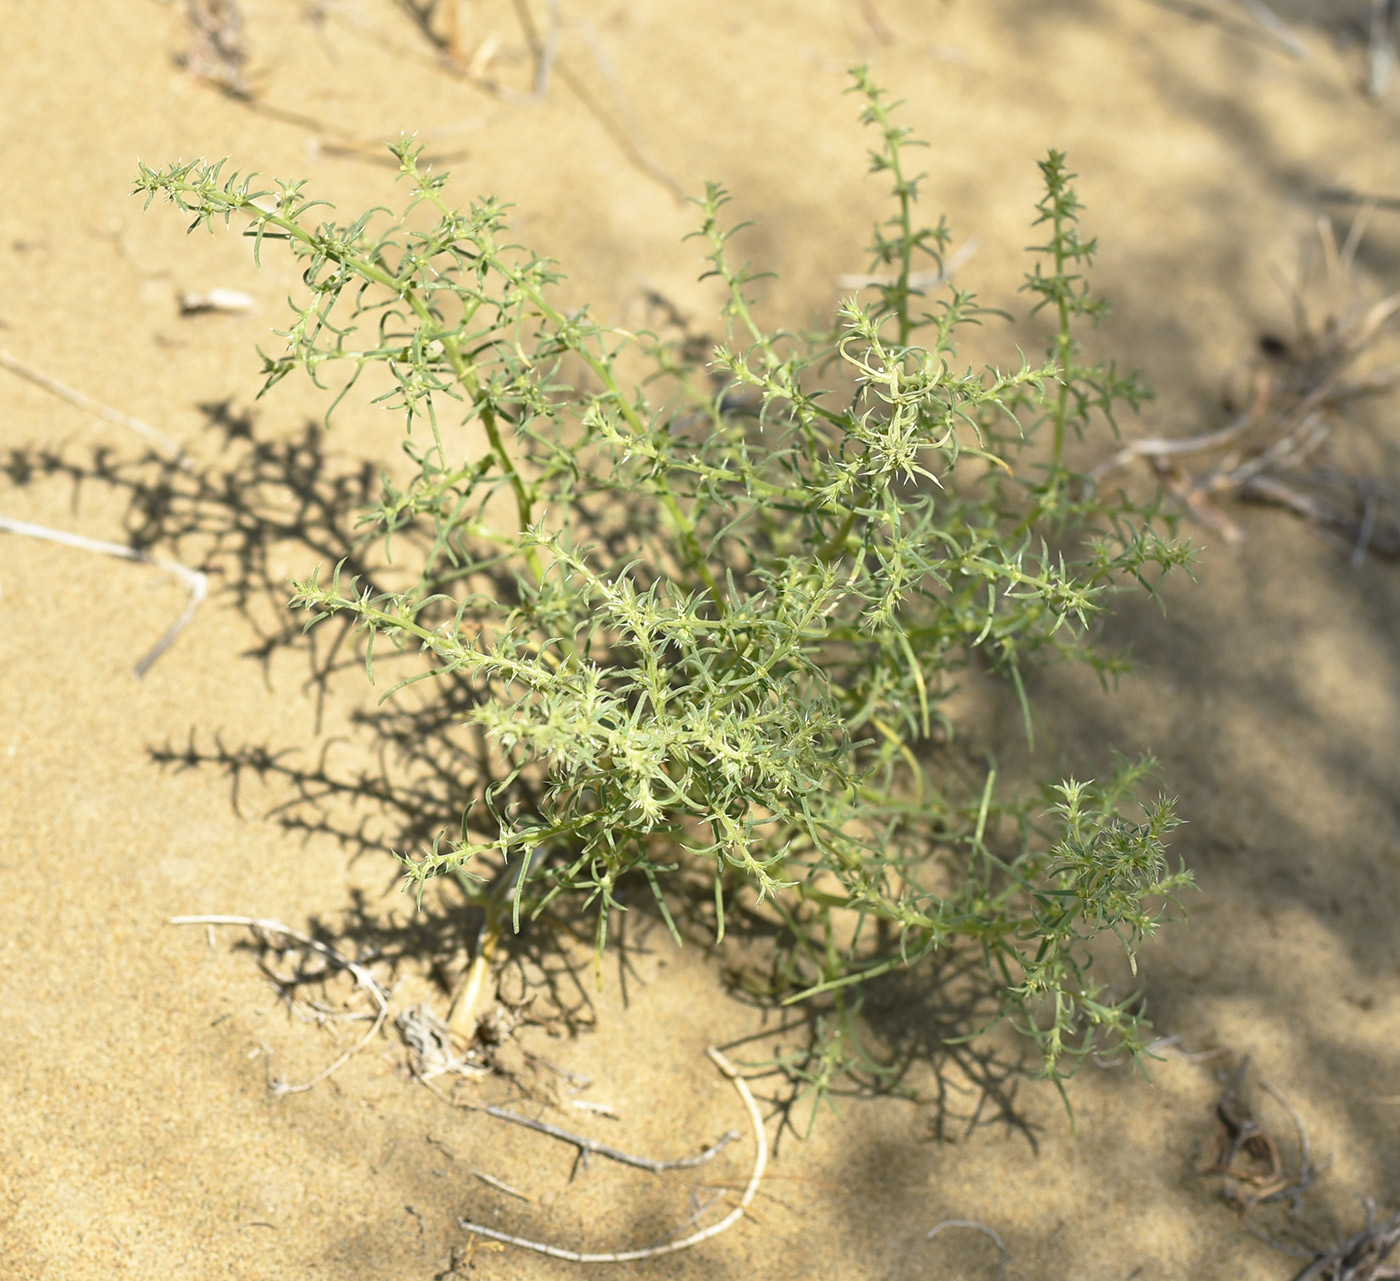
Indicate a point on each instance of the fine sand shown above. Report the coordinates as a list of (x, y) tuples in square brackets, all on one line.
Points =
[(138, 1136)]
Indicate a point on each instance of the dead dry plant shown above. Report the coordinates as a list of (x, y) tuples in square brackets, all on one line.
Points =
[(470, 47), (1257, 1174), (217, 52), (1283, 447), (433, 1052)]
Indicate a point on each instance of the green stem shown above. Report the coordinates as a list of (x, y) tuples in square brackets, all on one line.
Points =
[(375, 273)]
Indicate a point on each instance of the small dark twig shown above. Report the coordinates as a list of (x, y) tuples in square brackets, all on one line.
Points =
[(591, 1147), (1358, 1258)]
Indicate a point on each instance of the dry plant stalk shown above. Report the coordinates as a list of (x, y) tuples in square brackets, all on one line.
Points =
[(1361, 1257), (217, 53), (22, 369), (440, 24), (364, 978), (1277, 449), (760, 1164), (196, 582), (1257, 1175), (1003, 1255)]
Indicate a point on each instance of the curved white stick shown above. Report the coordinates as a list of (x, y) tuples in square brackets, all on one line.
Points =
[(671, 1247)]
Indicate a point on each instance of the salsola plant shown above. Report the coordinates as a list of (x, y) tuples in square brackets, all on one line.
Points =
[(716, 629)]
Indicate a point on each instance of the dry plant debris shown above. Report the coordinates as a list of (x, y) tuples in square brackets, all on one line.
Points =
[(1282, 448), (1358, 1258), (432, 1050), (216, 53), (430, 1045), (478, 59), (1256, 1174), (39, 378), (665, 1247), (591, 1147), (1382, 17), (195, 581), (1276, 27), (268, 930), (1249, 1154), (1002, 1253), (433, 1054)]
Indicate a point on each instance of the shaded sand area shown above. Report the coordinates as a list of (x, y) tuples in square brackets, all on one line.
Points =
[(251, 772)]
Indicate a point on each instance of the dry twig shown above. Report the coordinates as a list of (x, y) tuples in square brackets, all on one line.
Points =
[(88, 405), (668, 1247), (1380, 45), (1358, 1258), (500, 1185), (195, 581), (591, 1147), (976, 1227), (1245, 1140), (1276, 27), (621, 122), (362, 976), (1289, 420), (1307, 1171), (429, 1040)]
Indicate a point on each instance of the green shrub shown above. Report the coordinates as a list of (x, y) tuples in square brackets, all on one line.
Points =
[(718, 635)]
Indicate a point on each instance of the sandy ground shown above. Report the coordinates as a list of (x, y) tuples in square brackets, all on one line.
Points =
[(137, 1134)]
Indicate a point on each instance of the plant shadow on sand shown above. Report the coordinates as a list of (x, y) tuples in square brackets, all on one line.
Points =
[(408, 770)]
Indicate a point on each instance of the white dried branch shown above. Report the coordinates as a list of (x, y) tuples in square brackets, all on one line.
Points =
[(669, 1247), (361, 975), (195, 581), (88, 405)]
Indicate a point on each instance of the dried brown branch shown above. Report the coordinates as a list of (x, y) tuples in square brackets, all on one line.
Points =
[(1282, 447)]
